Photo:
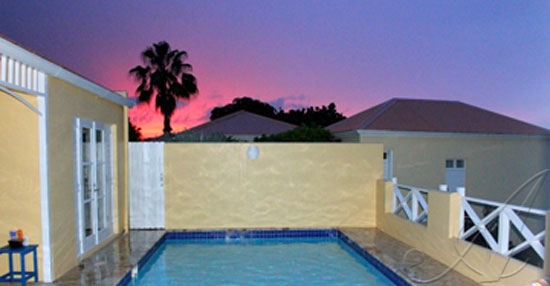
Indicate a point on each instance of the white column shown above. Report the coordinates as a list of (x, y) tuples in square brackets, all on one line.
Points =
[(47, 266), (547, 247)]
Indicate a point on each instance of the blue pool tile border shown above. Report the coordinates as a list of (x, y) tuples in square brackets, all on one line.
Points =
[(247, 234), (251, 234), (390, 274), (127, 279)]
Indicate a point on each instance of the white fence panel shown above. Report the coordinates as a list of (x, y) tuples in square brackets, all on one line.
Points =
[(507, 216), (410, 202), (146, 178)]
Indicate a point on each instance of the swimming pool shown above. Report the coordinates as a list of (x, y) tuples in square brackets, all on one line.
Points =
[(265, 257)]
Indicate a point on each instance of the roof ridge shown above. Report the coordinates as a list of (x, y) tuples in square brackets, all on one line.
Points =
[(266, 117), (231, 115), (507, 117), (383, 107)]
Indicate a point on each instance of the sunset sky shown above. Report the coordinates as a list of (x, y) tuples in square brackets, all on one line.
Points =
[(292, 54)]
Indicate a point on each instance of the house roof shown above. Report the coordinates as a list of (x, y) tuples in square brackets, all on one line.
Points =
[(243, 123), (434, 116), (16, 51)]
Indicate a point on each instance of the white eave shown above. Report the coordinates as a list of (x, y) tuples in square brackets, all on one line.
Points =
[(452, 135), (21, 54)]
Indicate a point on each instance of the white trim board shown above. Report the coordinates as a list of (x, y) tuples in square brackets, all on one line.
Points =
[(420, 134), (21, 54)]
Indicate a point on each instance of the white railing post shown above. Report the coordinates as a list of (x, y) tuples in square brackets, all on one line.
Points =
[(414, 204), (394, 203), (462, 192), (503, 232)]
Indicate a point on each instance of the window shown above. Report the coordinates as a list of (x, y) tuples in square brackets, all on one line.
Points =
[(455, 164)]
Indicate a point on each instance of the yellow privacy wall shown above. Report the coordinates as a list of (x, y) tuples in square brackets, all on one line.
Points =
[(288, 185)]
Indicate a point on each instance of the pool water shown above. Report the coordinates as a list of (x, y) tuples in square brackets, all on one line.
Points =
[(273, 261)]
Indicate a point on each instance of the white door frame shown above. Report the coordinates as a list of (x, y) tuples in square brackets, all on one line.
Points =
[(95, 190), (388, 164), (455, 174)]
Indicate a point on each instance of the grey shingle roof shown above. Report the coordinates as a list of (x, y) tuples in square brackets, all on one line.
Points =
[(243, 123), (434, 116)]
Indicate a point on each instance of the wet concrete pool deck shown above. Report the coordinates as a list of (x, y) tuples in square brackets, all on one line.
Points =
[(109, 265)]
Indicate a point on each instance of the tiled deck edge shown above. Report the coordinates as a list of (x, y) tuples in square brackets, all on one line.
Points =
[(129, 275), (392, 274)]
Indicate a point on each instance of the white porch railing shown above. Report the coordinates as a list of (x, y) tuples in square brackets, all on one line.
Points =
[(504, 216), (411, 202), (509, 223)]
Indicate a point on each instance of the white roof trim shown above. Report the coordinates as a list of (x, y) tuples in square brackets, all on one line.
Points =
[(21, 99), (16, 52), (420, 134)]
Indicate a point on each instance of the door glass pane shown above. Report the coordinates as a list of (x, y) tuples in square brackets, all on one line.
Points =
[(100, 213), (99, 179), (460, 164), (86, 134), (449, 164), (87, 219), (99, 145), (86, 182)]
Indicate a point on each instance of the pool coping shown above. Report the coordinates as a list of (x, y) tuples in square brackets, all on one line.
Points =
[(265, 233)]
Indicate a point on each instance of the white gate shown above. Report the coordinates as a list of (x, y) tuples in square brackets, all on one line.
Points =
[(146, 178)]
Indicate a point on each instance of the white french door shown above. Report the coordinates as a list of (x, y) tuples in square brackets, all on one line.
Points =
[(93, 184)]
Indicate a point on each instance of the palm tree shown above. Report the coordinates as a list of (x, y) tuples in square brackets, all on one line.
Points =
[(166, 76)]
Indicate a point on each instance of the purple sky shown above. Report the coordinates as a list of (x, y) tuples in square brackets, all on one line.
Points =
[(492, 54)]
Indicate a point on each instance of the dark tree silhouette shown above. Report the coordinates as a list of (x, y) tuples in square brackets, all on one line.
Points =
[(244, 103), (301, 133), (311, 116), (165, 76), (134, 132)]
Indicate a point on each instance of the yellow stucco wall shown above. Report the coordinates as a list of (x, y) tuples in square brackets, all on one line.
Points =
[(19, 171), (439, 240), (290, 185), (65, 103), (495, 168)]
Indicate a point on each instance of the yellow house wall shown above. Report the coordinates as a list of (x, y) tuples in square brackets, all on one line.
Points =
[(439, 240), (67, 102), (211, 186), (495, 168), (19, 171)]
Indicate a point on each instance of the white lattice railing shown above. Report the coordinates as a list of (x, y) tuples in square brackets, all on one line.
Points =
[(411, 202), (503, 217)]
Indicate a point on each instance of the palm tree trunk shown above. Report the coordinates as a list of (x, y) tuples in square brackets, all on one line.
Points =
[(167, 128)]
